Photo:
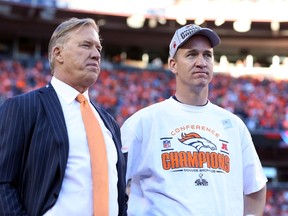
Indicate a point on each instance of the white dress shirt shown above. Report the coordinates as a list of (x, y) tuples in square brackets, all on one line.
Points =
[(75, 197)]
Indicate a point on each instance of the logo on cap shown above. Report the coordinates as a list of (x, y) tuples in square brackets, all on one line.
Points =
[(190, 30)]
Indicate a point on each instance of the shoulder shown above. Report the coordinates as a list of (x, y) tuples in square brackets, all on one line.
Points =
[(145, 117), (48, 89), (219, 110), (228, 115), (28, 103), (23, 98), (149, 111)]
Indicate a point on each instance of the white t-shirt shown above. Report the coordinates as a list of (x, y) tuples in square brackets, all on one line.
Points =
[(189, 160)]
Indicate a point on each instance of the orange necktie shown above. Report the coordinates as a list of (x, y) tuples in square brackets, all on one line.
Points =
[(98, 157)]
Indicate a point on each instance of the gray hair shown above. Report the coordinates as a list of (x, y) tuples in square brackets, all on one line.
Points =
[(61, 34)]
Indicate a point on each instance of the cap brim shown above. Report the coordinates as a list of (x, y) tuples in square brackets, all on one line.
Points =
[(211, 35)]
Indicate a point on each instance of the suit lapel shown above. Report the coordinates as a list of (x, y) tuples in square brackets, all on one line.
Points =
[(55, 116)]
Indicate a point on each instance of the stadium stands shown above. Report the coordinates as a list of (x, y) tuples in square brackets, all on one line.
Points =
[(122, 91), (262, 104)]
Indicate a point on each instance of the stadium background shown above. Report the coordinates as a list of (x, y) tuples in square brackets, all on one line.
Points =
[(251, 67)]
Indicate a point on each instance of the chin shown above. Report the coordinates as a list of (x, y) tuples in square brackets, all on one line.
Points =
[(91, 79)]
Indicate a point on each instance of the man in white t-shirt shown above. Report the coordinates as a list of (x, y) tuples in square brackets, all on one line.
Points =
[(187, 156)]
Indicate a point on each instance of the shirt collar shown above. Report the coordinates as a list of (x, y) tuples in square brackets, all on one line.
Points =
[(65, 91)]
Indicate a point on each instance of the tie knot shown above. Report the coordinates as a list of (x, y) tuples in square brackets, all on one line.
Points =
[(81, 98)]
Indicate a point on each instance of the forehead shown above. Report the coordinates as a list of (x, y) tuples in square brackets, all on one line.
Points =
[(197, 41), (86, 32)]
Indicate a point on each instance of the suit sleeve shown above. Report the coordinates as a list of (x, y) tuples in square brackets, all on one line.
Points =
[(11, 151)]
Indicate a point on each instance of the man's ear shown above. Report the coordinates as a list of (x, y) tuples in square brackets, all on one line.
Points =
[(57, 52), (172, 65)]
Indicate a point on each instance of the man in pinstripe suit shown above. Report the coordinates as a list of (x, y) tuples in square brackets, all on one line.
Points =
[(44, 156)]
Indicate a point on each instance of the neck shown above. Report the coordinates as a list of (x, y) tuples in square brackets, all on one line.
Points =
[(193, 101)]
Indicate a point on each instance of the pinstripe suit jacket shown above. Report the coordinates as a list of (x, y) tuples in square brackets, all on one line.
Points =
[(34, 151)]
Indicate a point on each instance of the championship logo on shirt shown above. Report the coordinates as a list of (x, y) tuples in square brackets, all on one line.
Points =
[(196, 141), (205, 153)]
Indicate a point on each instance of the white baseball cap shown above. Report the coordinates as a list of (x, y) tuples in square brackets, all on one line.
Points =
[(184, 33)]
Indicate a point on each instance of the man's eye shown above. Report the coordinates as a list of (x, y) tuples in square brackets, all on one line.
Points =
[(192, 54), (208, 55)]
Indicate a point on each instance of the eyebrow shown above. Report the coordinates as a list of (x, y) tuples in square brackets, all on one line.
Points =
[(91, 42), (197, 50)]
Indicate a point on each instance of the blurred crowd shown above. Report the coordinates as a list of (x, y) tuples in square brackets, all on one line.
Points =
[(17, 77), (277, 201), (261, 103)]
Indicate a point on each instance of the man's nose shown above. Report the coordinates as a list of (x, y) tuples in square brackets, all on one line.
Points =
[(201, 61), (96, 53)]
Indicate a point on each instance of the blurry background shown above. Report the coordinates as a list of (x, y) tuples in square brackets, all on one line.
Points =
[(251, 64)]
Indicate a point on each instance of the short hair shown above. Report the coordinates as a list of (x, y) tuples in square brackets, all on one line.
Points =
[(61, 34)]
